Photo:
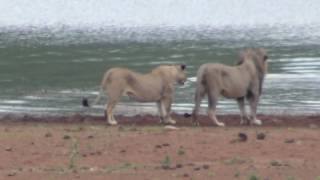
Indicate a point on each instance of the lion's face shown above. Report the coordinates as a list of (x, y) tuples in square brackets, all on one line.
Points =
[(180, 73), (259, 56)]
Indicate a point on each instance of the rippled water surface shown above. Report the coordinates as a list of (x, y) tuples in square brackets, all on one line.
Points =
[(48, 64)]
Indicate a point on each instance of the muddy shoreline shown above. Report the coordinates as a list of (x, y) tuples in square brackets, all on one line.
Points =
[(182, 119)]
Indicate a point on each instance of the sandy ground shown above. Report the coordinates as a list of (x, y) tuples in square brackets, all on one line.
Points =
[(81, 147)]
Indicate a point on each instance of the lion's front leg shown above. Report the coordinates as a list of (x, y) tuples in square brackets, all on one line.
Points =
[(244, 119), (160, 111), (253, 102), (166, 110)]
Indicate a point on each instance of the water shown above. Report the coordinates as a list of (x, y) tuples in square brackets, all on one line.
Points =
[(58, 53)]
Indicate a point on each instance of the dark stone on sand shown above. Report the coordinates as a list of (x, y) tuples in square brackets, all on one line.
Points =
[(9, 149), (196, 169), (242, 137), (66, 137), (289, 141), (261, 136), (186, 175), (48, 135), (166, 144), (205, 166), (187, 115)]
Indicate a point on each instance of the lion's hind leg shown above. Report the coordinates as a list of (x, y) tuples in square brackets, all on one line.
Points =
[(200, 93), (113, 98), (213, 99), (109, 111), (160, 111)]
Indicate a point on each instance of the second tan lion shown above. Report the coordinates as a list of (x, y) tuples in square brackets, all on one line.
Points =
[(156, 86), (240, 82)]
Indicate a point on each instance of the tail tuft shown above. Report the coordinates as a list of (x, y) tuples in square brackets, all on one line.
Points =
[(85, 102)]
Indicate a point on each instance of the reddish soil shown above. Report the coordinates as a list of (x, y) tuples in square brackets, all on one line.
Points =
[(84, 147)]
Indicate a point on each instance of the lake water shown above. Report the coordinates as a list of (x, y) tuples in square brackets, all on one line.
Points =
[(56, 53)]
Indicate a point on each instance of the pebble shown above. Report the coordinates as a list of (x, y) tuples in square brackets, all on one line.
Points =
[(8, 149)]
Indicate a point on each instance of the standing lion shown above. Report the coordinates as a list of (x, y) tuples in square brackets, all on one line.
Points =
[(156, 86), (240, 82)]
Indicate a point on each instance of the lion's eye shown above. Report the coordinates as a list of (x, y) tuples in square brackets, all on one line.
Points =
[(265, 57)]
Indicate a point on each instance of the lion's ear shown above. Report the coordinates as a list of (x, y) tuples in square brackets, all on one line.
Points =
[(183, 66)]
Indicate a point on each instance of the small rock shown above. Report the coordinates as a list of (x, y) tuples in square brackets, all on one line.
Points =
[(190, 164), (187, 115), (123, 151), (261, 136), (185, 175), (158, 146), (179, 166), (165, 144), (289, 141), (205, 166), (165, 167), (93, 169), (196, 169), (9, 149), (66, 137), (47, 135), (275, 163), (90, 137), (242, 137), (13, 173)]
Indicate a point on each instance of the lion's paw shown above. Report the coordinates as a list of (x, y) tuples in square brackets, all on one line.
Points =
[(170, 121), (112, 122), (257, 122), (220, 124)]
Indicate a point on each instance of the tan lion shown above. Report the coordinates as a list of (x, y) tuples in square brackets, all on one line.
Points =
[(156, 86), (240, 82)]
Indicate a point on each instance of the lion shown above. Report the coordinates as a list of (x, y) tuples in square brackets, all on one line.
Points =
[(155, 86), (240, 82)]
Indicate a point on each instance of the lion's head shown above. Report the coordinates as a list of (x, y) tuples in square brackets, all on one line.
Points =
[(259, 58), (176, 72)]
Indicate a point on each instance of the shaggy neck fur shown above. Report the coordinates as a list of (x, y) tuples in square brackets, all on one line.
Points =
[(255, 69)]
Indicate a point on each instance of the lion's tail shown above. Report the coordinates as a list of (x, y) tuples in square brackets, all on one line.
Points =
[(200, 91), (96, 100), (102, 89)]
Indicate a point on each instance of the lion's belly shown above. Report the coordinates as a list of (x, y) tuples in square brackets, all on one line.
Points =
[(232, 94), (142, 97), (233, 91)]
